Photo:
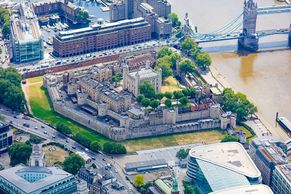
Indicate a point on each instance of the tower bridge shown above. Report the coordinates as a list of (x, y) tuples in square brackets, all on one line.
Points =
[(248, 38)]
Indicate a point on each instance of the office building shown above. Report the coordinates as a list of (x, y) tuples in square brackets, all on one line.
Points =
[(101, 37), (247, 189), (26, 40), (281, 179), (32, 180), (266, 154), (6, 136), (221, 166), (132, 80)]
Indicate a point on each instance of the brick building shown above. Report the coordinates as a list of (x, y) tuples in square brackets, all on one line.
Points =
[(101, 37)]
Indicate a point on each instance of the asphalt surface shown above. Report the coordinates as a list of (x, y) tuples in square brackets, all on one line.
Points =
[(45, 131)]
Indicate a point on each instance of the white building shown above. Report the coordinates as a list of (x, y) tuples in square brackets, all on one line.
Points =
[(132, 80), (221, 166)]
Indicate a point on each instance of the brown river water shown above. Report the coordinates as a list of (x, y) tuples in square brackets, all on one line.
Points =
[(265, 77)]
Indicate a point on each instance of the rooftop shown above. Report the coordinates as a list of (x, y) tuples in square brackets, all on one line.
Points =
[(143, 164), (25, 30), (144, 73), (247, 189), (230, 155), (270, 149), (285, 171), (44, 176)]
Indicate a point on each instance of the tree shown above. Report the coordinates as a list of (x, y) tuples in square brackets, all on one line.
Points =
[(166, 70), (82, 15), (73, 163), (145, 102), (237, 103), (175, 20), (192, 92), (182, 154), (174, 57), (117, 78), (14, 98), (168, 103), (164, 51), (147, 89), (83, 140), (178, 94), (114, 148), (187, 45), (188, 189), (184, 100), (95, 146), (203, 60), (34, 139), (61, 127), (139, 98), (160, 96), (187, 66), (195, 51), (168, 95), (19, 153), (138, 180), (229, 138), (154, 104), (196, 190)]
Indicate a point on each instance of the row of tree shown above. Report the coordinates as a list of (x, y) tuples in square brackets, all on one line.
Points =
[(111, 148), (11, 94), (5, 22), (190, 48), (237, 103), (148, 96)]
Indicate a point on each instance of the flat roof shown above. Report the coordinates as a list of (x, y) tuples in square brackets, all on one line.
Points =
[(147, 163), (25, 30), (230, 155), (52, 175), (247, 189), (144, 73), (163, 186)]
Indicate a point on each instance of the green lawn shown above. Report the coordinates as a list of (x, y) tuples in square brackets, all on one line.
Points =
[(209, 136), (170, 85), (41, 108), (248, 133)]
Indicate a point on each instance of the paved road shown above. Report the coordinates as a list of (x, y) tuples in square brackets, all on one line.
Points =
[(40, 129)]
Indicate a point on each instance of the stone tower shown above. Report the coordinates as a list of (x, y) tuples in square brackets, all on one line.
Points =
[(250, 40), (250, 17), (37, 156)]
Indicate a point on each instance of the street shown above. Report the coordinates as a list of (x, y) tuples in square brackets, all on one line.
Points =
[(50, 134)]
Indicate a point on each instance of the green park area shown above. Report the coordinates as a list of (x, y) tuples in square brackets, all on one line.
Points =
[(40, 106), (170, 84)]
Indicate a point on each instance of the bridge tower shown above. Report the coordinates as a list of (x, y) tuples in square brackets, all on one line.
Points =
[(249, 40)]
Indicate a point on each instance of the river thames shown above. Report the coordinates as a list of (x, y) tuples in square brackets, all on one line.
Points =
[(265, 77)]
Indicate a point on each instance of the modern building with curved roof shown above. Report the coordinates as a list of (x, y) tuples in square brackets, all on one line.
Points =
[(221, 166), (248, 189)]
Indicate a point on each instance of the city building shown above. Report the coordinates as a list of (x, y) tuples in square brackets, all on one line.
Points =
[(281, 179), (99, 37), (220, 166), (26, 180), (132, 80), (266, 154), (26, 40), (6, 136), (64, 8), (155, 13), (246, 189)]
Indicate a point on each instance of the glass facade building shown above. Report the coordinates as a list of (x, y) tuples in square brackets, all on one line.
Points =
[(281, 179), (221, 166), (6, 136)]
